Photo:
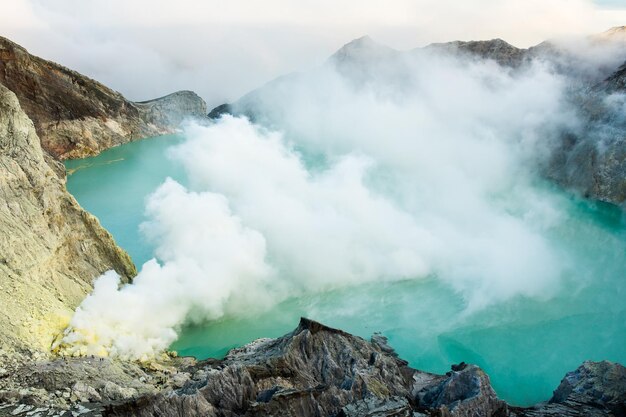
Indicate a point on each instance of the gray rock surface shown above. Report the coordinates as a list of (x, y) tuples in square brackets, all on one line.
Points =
[(466, 391), (594, 389), (83, 385)]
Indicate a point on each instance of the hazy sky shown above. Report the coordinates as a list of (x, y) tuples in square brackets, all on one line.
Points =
[(222, 49)]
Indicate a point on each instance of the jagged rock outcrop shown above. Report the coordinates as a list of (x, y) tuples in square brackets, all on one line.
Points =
[(313, 371), (601, 383), (76, 116), (466, 391), (594, 389), (50, 248)]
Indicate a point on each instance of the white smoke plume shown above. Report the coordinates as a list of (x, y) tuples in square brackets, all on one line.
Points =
[(207, 267), (426, 171)]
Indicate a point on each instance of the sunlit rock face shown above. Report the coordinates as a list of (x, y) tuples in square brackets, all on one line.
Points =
[(50, 248), (76, 116)]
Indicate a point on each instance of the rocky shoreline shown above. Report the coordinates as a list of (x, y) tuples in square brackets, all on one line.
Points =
[(314, 370)]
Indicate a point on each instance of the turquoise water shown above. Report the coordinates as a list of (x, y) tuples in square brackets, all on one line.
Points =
[(113, 186), (525, 345)]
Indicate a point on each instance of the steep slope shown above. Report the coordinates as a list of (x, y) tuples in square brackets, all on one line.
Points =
[(76, 116), (50, 248)]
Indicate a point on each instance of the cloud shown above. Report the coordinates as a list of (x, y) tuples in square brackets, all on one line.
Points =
[(146, 48), (19, 15)]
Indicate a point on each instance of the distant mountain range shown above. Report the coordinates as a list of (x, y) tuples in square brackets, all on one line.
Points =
[(595, 67)]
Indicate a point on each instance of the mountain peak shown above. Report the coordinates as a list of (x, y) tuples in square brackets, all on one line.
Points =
[(362, 49), (362, 41), (616, 29), (617, 33)]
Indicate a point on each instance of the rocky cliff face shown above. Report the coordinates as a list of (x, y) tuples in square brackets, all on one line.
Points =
[(313, 371), (50, 248), (592, 160), (76, 116)]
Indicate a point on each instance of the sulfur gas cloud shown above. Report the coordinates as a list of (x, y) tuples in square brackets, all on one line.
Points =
[(425, 166)]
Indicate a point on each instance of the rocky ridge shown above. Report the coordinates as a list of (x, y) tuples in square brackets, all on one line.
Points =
[(76, 116), (496, 49), (313, 371)]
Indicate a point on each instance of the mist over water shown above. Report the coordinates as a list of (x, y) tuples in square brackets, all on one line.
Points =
[(406, 202)]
